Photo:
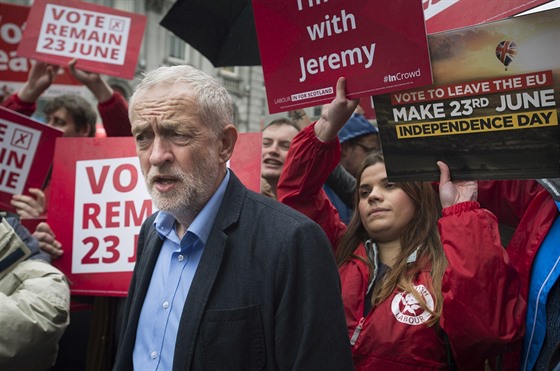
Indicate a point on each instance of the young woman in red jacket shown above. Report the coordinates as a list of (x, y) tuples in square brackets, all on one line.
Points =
[(421, 291)]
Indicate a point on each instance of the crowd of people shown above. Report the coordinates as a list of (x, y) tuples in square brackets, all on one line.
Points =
[(331, 267), (79, 348)]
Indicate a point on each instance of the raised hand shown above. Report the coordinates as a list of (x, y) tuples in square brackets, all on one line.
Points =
[(40, 77), (29, 206), (336, 113), (454, 192), (93, 81)]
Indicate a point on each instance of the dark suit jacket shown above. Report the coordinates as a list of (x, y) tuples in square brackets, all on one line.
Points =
[(265, 296)]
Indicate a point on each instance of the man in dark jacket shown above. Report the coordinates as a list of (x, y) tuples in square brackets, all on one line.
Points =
[(225, 279)]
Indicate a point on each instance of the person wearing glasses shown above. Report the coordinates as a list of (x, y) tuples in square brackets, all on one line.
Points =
[(357, 138)]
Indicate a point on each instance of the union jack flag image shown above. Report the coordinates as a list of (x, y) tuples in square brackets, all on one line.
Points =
[(506, 51)]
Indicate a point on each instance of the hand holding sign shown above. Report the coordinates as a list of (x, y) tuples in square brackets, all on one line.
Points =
[(40, 78), (30, 206), (454, 192), (335, 114), (93, 81)]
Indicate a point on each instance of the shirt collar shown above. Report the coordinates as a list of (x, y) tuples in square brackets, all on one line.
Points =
[(202, 223), (373, 255), (371, 249)]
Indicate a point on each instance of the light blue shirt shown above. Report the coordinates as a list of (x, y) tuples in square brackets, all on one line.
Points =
[(173, 274)]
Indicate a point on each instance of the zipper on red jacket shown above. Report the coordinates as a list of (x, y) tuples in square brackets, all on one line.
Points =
[(357, 331)]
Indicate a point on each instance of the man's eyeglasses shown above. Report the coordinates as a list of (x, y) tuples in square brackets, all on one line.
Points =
[(366, 148)]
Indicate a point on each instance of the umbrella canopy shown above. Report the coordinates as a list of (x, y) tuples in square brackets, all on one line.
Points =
[(221, 30)]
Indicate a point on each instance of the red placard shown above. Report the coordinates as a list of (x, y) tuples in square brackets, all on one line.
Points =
[(26, 153), (305, 46), (99, 201), (14, 68), (103, 39), (367, 106), (97, 205), (442, 15), (31, 223), (246, 160)]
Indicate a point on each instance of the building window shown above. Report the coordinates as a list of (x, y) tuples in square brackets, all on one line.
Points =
[(232, 81), (177, 49), (127, 6), (317, 111), (232, 72), (264, 107), (109, 3)]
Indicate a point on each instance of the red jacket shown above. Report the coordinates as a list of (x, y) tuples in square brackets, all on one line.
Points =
[(526, 206), (530, 209), (482, 308)]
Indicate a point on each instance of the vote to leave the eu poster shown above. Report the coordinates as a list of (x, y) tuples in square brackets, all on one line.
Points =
[(492, 112)]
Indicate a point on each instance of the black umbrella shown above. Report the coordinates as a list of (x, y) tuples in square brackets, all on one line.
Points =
[(222, 30)]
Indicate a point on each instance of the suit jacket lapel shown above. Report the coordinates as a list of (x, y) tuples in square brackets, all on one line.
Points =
[(206, 273), (152, 248)]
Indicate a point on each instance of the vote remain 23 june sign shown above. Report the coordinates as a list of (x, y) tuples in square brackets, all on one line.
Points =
[(15, 68), (306, 45), (99, 201), (26, 152), (103, 39)]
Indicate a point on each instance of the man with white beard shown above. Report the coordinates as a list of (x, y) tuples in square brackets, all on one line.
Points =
[(225, 278)]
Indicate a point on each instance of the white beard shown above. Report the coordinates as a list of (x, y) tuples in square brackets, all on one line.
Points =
[(195, 189)]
